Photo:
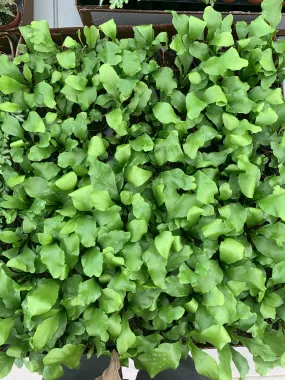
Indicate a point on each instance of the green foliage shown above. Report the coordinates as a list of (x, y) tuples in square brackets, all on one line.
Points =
[(144, 206)]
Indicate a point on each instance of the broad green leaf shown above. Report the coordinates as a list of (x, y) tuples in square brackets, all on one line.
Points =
[(137, 176), (109, 28), (216, 335), (204, 363), (225, 356), (273, 204), (164, 80), (34, 123), (241, 363), (98, 324), (92, 262), (9, 85), (69, 355), (53, 257), (67, 182), (126, 338), (130, 63), (66, 59), (45, 331), (165, 113), (76, 82), (110, 301), (88, 292), (165, 356), (231, 251), (6, 326), (230, 60), (206, 188), (271, 11), (6, 364), (41, 300)]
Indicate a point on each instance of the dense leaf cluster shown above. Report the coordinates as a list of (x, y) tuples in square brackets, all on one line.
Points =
[(145, 203)]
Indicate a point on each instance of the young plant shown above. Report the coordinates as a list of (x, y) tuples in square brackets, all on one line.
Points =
[(145, 206)]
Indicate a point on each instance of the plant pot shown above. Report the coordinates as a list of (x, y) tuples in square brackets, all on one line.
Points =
[(92, 368), (14, 23)]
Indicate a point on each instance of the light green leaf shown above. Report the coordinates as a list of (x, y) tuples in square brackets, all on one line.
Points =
[(34, 123), (204, 363), (53, 257), (126, 338), (67, 182), (92, 262), (45, 331), (97, 325), (6, 326), (165, 113), (66, 59), (69, 355), (41, 300), (6, 364), (231, 251)]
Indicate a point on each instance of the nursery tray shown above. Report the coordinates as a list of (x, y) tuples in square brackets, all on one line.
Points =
[(183, 5), (162, 21), (8, 44)]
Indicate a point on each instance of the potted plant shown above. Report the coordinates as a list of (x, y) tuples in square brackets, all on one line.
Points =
[(144, 204), (9, 14)]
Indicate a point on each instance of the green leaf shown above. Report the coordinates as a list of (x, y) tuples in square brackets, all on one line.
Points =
[(230, 60), (216, 335), (69, 355), (196, 28), (45, 331), (225, 357), (137, 176), (92, 262), (86, 230), (6, 326), (6, 364), (34, 123), (273, 204), (9, 85), (67, 182), (205, 365), (11, 126), (165, 113), (164, 80), (103, 178), (231, 251), (88, 292), (165, 356), (110, 301), (271, 11), (206, 188), (80, 198), (241, 363), (130, 63), (277, 274), (41, 300), (97, 325), (126, 338), (53, 257), (46, 91), (66, 59), (76, 82), (115, 121), (109, 28), (96, 147)]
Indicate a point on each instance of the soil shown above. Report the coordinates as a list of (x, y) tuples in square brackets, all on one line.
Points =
[(7, 19)]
